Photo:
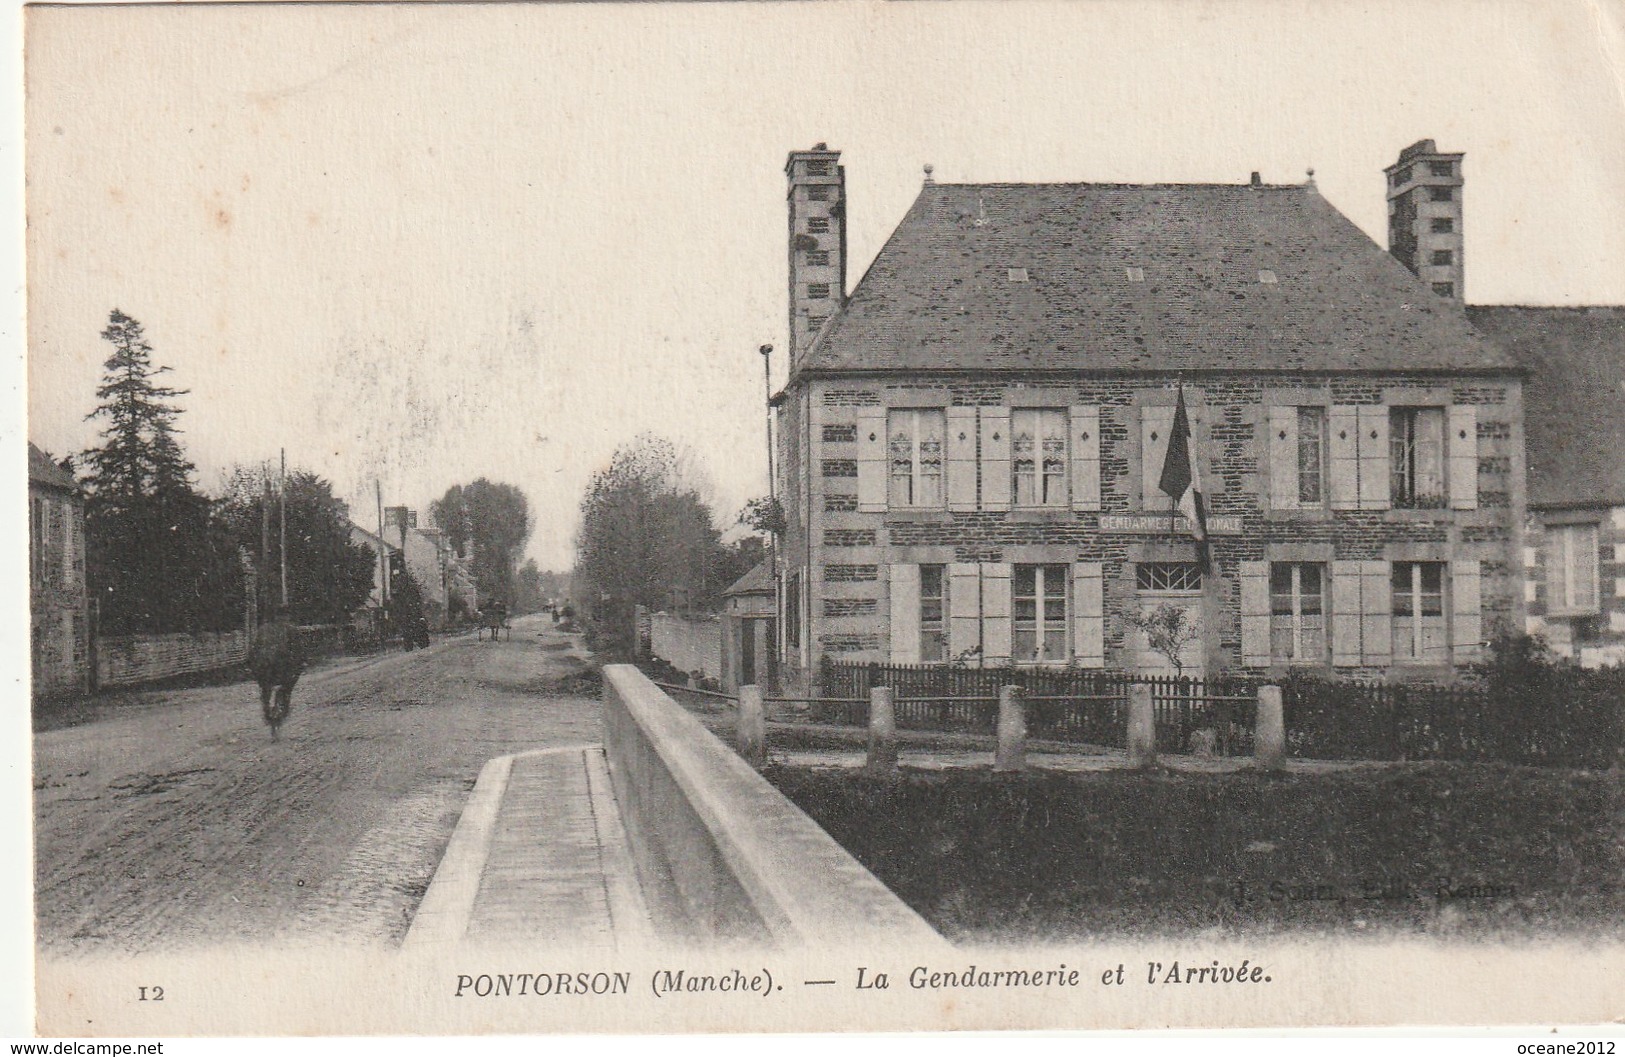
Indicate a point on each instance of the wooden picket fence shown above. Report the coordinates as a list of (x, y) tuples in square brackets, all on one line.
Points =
[(1569, 717)]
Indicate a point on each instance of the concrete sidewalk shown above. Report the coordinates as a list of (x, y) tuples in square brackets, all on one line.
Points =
[(539, 857)]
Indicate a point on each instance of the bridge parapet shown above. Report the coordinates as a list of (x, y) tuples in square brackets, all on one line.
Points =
[(722, 856)]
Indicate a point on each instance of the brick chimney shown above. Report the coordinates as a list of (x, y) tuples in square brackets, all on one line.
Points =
[(1424, 217), (816, 198)]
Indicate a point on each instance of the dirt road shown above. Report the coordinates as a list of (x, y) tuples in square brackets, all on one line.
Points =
[(173, 821)]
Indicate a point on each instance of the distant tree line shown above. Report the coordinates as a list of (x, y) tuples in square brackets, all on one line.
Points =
[(648, 538), (490, 521)]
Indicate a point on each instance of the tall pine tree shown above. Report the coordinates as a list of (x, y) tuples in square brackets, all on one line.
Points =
[(156, 564)]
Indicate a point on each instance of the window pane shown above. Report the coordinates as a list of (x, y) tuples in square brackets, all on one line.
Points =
[(1024, 643), (1026, 580), (931, 581), (1401, 586), (1430, 453), (1281, 578), (1311, 469), (1053, 432), (1026, 610), (1054, 644)]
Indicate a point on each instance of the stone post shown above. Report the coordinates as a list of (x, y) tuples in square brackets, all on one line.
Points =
[(1012, 751), (1269, 736), (882, 729), (1142, 726), (751, 731)]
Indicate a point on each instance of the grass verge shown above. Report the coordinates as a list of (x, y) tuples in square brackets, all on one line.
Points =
[(1475, 850)]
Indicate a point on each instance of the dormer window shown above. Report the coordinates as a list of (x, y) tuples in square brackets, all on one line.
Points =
[(1442, 168), (818, 168), (1135, 275)]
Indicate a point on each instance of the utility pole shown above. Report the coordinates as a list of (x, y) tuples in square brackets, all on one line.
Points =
[(383, 550), (263, 587), (767, 379), (772, 504), (282, 517)]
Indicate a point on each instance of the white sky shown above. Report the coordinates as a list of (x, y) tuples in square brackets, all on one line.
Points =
[(424, 244)]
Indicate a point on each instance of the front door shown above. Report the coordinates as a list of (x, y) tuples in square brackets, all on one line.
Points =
[(1170, 624)]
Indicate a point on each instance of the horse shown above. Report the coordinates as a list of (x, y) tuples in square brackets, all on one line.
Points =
[(276, 663)]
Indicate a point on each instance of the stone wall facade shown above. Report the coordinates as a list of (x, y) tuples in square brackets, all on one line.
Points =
[(1574, 561), (849, 542), (129, 660), (689, 645)]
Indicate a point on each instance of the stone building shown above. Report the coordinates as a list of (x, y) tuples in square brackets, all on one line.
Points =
[(1575, 414), (971, 439), (59, 613)]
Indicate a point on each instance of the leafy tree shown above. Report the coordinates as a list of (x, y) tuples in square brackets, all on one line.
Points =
[(648, 538), (329, 574), (154, 559), (1169, 629), (493, 520), (528, 596), (765, 515)]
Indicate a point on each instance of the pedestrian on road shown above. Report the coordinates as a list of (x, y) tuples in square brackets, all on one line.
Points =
[(277, 662)]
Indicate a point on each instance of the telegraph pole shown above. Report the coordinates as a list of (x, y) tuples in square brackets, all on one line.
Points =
[(383, 550), (282, 517)]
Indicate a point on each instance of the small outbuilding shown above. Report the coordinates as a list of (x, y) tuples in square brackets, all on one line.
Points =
[(750, 631)]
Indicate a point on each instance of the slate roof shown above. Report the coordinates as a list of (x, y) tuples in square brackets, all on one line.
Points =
[(758, 581), (1574, 398), (44, 471), (939, 295)]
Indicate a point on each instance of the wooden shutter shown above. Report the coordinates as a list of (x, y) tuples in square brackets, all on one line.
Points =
[(964, 609), (1466, 615), (1255, 614), (1088, 615), (1346, 613), (1375, 487), (872, 459), (996, 612), (1085, 447), (1282, 452), (1376, 613), (905, 613), (1155, 424), (961, 458), (996, 458), (1462, 445), (1343, 440)]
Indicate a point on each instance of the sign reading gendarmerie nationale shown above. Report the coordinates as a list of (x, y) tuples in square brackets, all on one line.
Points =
[(1164, 525)]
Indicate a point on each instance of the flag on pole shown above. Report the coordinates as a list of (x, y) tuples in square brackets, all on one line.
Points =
[(1181, 481)]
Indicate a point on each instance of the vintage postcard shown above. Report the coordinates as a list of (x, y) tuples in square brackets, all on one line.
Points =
[(686, 517)]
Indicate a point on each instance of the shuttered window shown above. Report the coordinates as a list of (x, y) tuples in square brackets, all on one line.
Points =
[(1038, 597), (1421, 632), (1571, 570), (1416, 457), (933, 613), (1038, 457), (1298, 612), (915, 457)]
